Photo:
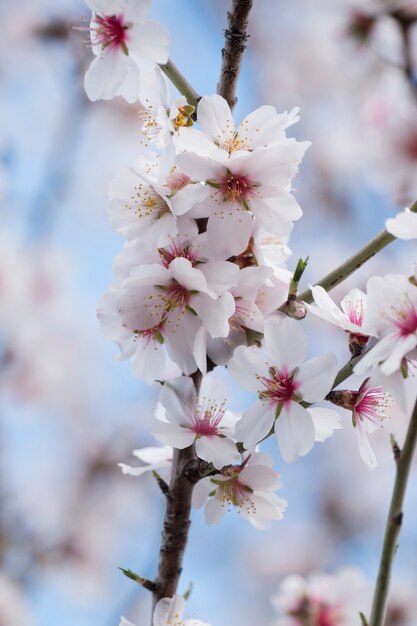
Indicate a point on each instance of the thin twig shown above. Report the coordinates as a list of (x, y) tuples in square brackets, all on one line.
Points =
[(180, 82), (394, 522), (338, 275), (235, 37)]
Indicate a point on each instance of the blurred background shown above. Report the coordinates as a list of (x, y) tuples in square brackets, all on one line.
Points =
[(70, 412)]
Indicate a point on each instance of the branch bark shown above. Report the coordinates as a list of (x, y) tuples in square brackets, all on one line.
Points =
[(175, 528), (393, 526), (235, 37)]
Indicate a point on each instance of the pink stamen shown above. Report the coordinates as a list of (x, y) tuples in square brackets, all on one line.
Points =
[(406, 320), (206, 421), (109, 31), (236, 188), (280, 388), (175, 251), (355, 312), (370, 404), (151, 334)]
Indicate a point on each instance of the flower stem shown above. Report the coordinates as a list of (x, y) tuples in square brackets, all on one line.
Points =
[(338, 275), (180, 82), (394, 521)]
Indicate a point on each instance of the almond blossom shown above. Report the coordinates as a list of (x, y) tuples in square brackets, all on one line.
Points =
[(141, 205), (282, 381), (161, 121), (261, 128), (350, 318), (322, 599), (392, 316), (174, 301), (145, 348), (248, 486), (202, 419), (369, 406), (121, 40), (243, 189), (403, 225)]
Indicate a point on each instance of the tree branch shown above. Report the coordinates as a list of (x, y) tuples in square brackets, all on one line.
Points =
[(338, 275), (394, 521), (175, 528), (180, 82), (235, 37)]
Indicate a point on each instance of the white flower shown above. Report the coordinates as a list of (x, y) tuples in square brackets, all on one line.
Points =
[(244, 190), (261, 128), (176, 300), (322, 599), (281, 380), (160, 120), (203, 420), (121, 40), (145, 347), (403, 225), (154, 459), (248, 486), (350, 318), (392, 316), (369, 408), (353, 306), (141, 207)]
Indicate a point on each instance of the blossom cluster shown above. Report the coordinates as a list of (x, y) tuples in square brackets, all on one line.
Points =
[(206, 211)]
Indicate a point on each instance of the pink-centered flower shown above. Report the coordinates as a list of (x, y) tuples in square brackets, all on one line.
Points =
[(322, 599), (243, 192), (369, 406), (202, 419), (282, 381), (248, 486), (144, 347), (350, 316), (392, 316), (121, 39)]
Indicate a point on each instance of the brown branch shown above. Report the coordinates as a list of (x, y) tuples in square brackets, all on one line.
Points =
[(235, 37), (176, 526)]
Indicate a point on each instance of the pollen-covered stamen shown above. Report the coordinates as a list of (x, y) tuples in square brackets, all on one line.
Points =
[(109, 31), (175, 296), (150, 125), (236, 143), (232, 491), (405, 319), (175, 251), (146, 202), (206, 418), (280, 387), (236, 188)]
